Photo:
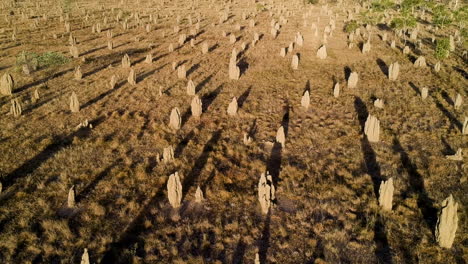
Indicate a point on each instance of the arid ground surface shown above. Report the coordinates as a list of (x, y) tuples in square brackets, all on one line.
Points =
[(327, 176)]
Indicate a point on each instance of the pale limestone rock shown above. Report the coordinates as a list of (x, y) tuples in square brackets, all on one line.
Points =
[(149, 58), (205, 48), (280, 136), (384, 37), (406, 50), (447, 223), (175, 119), (132, 77), (465, 127), (257, 259), (414, 34), (199, 195), (305, 100), (78, 75), (283, 52), (437, 67), (458, 102), (74, 51), (352, 80), (71, 197), (291, 47), (458, 156), (126, 61), (243, 46), (372, 128), (181, 72), (182, 39), (295, 62), (85, 257), (196, 107), (6, 84), (299, 39), (322, 52), (266, 192), (366, 47), (168, 154), (234, 71), (379, 103), (35, 95), (26, 69), (15, 108), (336, 90), (174, 190), (420, 62), (74, 104), (110, 45), (256, 36), (171, 47), (274, 33), (393, 71), (233, 56), (190, 88), (84, 124), (71, 40), (452, 43), (247, 139), (393, 45), (424, 93), (113, 81), (232, 39), (386, 194), (232, 108)]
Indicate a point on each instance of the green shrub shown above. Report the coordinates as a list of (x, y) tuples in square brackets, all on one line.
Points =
[(442, 50), (351, 26), (404, 22), (408, 5), (382, 5), (261, 7), (442, 16), (43, 60), (312, 2)]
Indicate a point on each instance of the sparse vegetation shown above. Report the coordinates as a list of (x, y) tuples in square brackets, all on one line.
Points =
[(351, 26), (40, 60), (442, 50), (311, 2), (442, 16), (216, 132)]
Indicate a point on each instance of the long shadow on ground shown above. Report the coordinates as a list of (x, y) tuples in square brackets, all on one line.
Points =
[(382, 251)]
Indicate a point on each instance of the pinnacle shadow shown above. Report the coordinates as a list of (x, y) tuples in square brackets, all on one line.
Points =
[(193, 176)]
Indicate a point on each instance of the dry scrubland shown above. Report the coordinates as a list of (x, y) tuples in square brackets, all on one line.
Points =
[(325, 170)]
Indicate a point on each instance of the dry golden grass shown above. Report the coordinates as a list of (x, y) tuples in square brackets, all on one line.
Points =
[(326, 209)]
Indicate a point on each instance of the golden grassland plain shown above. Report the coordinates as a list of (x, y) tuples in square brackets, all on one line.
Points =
[(326, 177)]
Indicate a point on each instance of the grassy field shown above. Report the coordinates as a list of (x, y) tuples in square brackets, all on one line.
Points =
[(327, 176)]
